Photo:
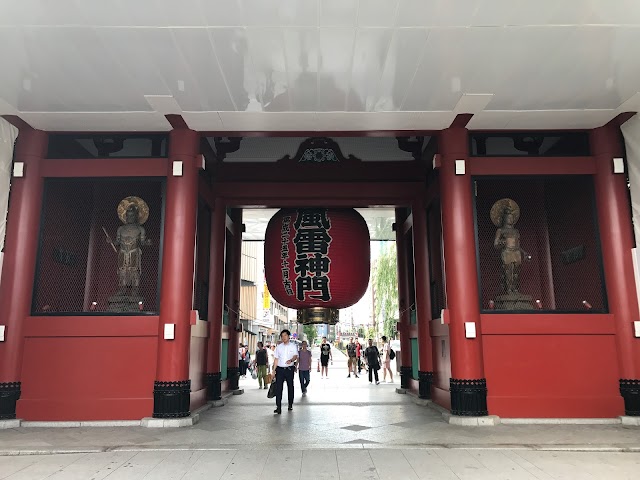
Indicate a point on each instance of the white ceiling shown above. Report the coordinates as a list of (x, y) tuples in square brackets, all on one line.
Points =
[(269, 65)]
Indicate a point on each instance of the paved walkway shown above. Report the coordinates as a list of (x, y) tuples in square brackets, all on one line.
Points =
[(343, 428)]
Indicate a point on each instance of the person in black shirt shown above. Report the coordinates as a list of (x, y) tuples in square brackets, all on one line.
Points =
[(372, 356), (325, 356), (262, 364)]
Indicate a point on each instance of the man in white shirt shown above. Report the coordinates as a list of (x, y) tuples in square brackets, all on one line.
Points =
[(285, 356)]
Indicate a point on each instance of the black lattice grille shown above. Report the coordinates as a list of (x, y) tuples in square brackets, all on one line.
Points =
[(549, 260), (78, 269)]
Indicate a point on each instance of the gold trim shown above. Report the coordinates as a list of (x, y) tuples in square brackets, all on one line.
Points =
[(498, 208), (318, 315), (143, 209)]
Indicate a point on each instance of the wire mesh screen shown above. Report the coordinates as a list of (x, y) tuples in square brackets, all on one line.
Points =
[(203, 242), (436, 272), (538, 245), (100, 246)]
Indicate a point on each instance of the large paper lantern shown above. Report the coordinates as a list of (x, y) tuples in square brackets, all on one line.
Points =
[(317, 261)]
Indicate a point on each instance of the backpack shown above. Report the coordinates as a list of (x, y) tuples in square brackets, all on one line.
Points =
[(392, 354)]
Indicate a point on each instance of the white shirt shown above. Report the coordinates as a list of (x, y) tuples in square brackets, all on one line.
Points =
[(285, 352), (270, 355)]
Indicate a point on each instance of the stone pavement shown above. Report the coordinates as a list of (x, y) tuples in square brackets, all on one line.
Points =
[(343, 428)]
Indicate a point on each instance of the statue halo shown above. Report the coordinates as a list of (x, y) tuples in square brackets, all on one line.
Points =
[(498, 209), (143, 209)]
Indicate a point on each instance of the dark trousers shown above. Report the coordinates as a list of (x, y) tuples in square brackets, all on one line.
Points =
[(284, 375), (375, 372), (305, 378)]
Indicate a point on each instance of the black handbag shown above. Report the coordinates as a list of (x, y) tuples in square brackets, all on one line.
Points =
[(272, 389)]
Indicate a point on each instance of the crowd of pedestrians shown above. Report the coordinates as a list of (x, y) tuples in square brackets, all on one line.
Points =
[(275, 365)]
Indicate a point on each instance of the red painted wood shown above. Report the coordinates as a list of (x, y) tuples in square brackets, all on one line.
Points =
[(198, 363), (21, 244), (441, 396), (616, 236), (216, 285), (88, 378), (347, 194), (403, 289), (552, 376), (460, 257), (530, 166), (234, 288), (91, 326), (105, 167), (548, 324), (178, 257), (422, 284)]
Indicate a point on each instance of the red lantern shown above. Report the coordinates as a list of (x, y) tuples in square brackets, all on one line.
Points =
[(317, 261)]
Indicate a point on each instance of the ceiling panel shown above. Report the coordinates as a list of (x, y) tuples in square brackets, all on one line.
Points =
[(326, 64), (97, 121)]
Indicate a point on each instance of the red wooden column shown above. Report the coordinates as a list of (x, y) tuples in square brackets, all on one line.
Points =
[(468, 385), (172, 386), (423, 297), (216, 299), (20, 251), (234, 299), (616, 235), (403, 300)]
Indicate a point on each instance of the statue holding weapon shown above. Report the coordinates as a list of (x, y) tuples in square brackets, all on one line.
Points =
[(130, 238)]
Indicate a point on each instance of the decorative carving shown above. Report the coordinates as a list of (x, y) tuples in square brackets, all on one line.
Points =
[(319, 150), (412, 145), (171, 399), (630, 391), (9, 395), (468, 397), (226, 145)]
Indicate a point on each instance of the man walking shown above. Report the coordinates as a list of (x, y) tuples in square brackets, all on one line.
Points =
[(372, 356), (325, 356), (359, 355), (262, 364), (304, 367), (285, 357), (351, 361)]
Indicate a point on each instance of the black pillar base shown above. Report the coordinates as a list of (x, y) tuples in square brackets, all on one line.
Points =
[(630, 391), (171, 399), (212, 381), (468, 397), (405, 377), (425, 382), (9, 395), (233, 374)]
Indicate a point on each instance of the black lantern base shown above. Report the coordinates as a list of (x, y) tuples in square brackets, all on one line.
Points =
[(233, 374), (468, 397), (9, 395), (630, 391), (317, 315), (425, 382), (405, 377), (214, 389), (171, 399)]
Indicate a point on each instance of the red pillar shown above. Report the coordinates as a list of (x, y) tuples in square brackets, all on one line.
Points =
[(216, 298), (172, 386), (403, 300), (616, 236), (423, 297), (234, 299), (20, 251), (468, 385)]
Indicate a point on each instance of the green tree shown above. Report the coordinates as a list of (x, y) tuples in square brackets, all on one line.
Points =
[(310, 332), (385, 287)]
